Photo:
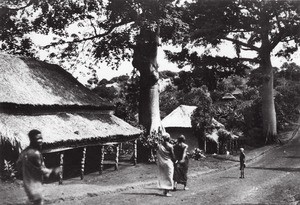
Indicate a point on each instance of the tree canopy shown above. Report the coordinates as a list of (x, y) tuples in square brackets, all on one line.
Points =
[(105, 30), (264, 27)]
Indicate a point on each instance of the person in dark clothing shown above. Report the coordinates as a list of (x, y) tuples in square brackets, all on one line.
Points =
[(182, 162), (242, 162), (33, 169)]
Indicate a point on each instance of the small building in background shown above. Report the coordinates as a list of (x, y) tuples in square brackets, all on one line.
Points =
[(228, 97), (178, 122)]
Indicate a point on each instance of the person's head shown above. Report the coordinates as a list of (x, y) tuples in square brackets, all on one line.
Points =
[(242, 149), (166, 137), (181, 139), (36, 139)]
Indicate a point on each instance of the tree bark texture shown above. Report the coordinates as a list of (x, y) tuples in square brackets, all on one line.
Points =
[(267, 92), (145, 61)]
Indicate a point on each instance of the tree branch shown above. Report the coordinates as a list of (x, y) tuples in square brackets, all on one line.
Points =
[(19, 8), (241, 43), (253, 60), (110, 30), (93, 27)]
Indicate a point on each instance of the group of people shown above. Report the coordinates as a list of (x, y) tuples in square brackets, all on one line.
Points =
[(172, 164)]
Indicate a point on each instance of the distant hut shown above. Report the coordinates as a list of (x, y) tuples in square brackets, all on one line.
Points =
[(35, 94), (179, 122), (237, 93), (228, 97)]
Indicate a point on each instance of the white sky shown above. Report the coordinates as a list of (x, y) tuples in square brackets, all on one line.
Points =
[(126, 67)]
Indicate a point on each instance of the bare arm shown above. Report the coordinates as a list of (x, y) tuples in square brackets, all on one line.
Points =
[(36, 159), (184, 154), (171, 149)]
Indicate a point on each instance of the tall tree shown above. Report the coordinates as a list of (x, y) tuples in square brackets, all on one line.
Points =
[(262, 26), (112, 30)]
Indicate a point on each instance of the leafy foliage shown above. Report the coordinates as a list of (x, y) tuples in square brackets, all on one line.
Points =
[(124, 94), (230, 114), (104, 30), (257, 26), (9, 172), (201, 118), (196, 154)]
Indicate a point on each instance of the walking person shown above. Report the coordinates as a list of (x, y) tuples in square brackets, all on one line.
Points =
[(242, 162), (33, 169), (165, 158), (182, 165)]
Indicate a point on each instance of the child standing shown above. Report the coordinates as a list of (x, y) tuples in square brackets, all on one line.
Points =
[(242, 162)]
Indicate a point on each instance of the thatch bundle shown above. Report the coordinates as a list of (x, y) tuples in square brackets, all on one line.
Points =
[(68, 130), (28, 81)]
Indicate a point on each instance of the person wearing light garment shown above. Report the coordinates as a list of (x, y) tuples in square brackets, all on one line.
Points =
[(165, 162), (33, 169)]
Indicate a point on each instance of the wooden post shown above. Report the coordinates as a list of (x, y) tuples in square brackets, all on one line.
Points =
[(134, 152), (117, 157), (82, 163), (1, 157), (101, 159), (61, 164)]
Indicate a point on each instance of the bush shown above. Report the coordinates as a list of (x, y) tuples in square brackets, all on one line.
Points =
[(230, 114), (196, 154), (9, 172), (150, 143), (286, 102)]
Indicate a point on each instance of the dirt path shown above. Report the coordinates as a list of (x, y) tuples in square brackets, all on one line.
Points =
[(273, 178)]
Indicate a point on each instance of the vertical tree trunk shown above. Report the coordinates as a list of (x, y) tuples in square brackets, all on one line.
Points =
[(145, 61), (268, 105), (204, 146), (267, 93)]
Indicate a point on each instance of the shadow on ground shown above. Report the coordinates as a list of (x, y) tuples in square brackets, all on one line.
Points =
[(284, 169)]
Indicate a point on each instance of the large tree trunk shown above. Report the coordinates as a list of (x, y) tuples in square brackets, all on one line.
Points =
[(145, 61), (268, 106), (267, 93)]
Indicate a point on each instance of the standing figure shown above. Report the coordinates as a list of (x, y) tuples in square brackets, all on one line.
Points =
[(242, 162), (33, 169), (182, 165), (165, 158)]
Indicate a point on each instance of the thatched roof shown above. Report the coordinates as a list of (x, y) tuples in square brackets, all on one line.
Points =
[(228, 96), (38, 95), (67, 130), (213, 136), (180, 117), (28, 81)]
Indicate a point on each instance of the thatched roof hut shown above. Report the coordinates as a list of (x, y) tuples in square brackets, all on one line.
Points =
[(35, 94), (178, 122), (228, 96), (180, 117)]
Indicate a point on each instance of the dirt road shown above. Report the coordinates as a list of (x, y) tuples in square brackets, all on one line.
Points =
[(273, 178)]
